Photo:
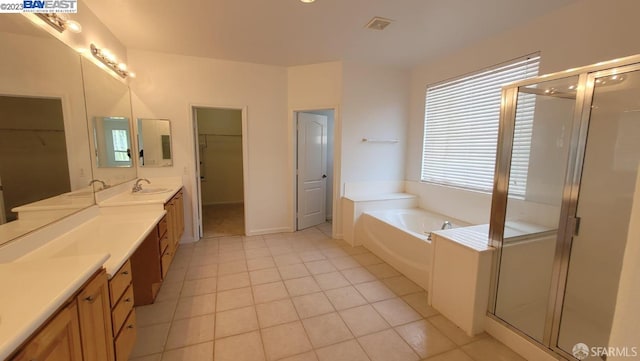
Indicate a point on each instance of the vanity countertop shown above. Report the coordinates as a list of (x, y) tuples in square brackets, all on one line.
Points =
[(128, 198), (116, 234), (33, 291)]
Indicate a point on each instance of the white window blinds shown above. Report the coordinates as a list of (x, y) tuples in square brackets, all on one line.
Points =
[(461, 128)]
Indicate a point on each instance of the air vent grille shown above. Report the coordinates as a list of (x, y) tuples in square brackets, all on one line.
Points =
[(378, 23)]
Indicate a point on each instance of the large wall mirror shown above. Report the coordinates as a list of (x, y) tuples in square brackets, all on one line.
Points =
[(45, 167), (154, 143), (109, 113)]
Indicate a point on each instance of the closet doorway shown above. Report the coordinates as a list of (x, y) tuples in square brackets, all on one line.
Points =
[(220, 160)]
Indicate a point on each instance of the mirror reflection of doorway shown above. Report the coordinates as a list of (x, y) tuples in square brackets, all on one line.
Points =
[(221, 171)]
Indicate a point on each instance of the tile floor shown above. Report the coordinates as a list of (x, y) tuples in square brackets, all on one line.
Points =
[(219, 220), (296, 297)]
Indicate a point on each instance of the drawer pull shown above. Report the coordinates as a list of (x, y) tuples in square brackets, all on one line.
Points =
[(127, 299), (89, 299), (131, 326), (125, 272)]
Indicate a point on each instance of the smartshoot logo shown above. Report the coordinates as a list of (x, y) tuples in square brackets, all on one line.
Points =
[(50, 6), (581, 351)]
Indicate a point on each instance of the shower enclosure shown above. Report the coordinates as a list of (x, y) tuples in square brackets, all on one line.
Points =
[(565, 215)]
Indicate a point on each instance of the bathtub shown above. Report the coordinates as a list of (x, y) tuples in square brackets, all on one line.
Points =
[(401, 237)]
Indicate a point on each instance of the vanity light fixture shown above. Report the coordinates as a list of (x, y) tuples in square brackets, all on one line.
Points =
[(60, 23), (307, 1), (108, 59)]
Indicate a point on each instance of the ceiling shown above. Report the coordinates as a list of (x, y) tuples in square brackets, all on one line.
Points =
[(288, 32)]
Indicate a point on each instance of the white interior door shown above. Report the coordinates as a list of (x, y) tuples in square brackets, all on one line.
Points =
[(312, 169)]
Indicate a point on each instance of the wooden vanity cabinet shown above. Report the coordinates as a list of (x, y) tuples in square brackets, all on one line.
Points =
[(175, 229), (123, 316), (94, 310), (57, 340)]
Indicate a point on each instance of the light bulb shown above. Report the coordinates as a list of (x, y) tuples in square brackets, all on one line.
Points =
[(73, 26)]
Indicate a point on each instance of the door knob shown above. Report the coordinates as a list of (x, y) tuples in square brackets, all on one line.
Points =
[(324, 176)]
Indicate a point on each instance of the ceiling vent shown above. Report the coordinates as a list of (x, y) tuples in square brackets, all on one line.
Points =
[(378, 23)]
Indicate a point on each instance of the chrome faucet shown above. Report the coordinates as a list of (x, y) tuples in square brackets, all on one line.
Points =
[(138, 187), (104, 185), (446, 225)]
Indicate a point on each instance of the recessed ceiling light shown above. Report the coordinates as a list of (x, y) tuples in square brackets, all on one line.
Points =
[(307, 1), (73, 26)]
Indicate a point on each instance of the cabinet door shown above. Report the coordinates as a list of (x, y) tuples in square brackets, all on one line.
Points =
[(58, 340), (94, 310), (179, 214), (171, 220)]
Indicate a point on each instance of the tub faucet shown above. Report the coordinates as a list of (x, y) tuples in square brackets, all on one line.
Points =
[(138, 187), (446, 225), (104, 185)]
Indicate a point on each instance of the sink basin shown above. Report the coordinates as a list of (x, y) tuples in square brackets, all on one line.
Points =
[(147, 191)]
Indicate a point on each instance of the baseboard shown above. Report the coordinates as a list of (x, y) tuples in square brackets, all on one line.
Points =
[(259, 232), (221, 203)]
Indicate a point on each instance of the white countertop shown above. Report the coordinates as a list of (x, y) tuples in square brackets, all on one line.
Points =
[(130, 199), (473, 237), (33, 291)]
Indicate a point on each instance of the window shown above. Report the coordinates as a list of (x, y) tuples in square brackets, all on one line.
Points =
[(461, 128), (120, 145)]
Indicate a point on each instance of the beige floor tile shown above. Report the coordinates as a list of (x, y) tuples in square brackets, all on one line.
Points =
[(194, 273), (233, 281), (257, 253), (194, 306), (200, 352), (396, 311), (453, 355), (343, 263), (269, 292), (387, 346), (235, 322), (169, 291), (367, 259), (159, 312), (150, 340), (307, 356), (345, 351), (203, 259), (302, 286), (326, 329), (322, 266), (382, 270), (489, 349), (199, 287), (154, 357), (328, 281), (358, 275), (253, 243), (190, 331), (286, 259), (452, 331), (260, 263), (345, 297), (374, 291), (276, 313), (293, 271), (228, 300), (266, 275), (425, 339), (313, 304), (420, 303), (401, 285), (352, 251), (176, 274), (363, 320), (335, 252), (285, 340), (234, 245), (309, 256), (245, 347), (228, 268), (232, 256)]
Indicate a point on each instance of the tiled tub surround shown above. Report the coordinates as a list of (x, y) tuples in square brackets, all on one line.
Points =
[(296, 296), (41, 271)]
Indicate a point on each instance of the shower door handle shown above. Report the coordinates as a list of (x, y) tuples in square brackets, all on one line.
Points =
[(324, 176)]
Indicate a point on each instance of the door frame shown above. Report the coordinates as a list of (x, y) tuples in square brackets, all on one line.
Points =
[(336, 210), (197, 220)]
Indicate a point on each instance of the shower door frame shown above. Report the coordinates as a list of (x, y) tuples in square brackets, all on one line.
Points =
[(568, 221)]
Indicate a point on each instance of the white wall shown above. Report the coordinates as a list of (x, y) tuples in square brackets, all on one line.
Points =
[(167, 86), (579, 34)]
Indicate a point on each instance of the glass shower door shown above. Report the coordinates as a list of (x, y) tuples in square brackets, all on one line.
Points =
[(542, 132), (608, 186)]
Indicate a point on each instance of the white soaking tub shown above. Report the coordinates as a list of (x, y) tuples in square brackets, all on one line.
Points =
[(401, 237)]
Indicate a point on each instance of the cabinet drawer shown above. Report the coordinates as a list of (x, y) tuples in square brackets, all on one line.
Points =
[(127, 338), (162, 227), (119, 282), (121, 310), (164, 242)]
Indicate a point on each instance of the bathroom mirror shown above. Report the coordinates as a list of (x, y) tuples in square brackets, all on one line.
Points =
[(45, 167), (112, 141), (154, 143), (108, 107)]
